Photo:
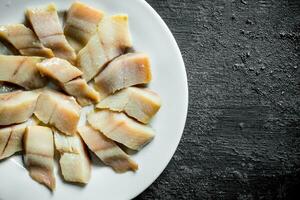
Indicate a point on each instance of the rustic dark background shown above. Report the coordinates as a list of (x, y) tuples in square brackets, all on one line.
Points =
[(242, 136)]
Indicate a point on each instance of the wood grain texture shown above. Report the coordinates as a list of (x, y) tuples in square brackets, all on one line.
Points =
[(242, 136)]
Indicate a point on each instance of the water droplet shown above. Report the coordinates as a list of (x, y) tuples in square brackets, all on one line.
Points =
[(248, 21), (244, 2), (282, 34), (244, 32), (242, 125), (233, 17)]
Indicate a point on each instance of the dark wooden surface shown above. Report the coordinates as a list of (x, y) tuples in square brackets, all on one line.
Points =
[(242, 136)]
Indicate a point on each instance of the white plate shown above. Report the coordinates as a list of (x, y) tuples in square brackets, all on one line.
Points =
[(151, 35)]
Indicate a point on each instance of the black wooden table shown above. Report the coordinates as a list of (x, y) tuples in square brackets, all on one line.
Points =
[(242, 136)]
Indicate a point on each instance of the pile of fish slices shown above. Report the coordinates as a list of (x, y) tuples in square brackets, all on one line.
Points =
[(88, 62)]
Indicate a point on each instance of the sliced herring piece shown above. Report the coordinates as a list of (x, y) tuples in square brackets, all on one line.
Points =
[(74, 160), (21, 70), (127, 70), (24, 40), (58, 69), (45, 23), (11, 138), (140, 103), (17, 107), (84, 94), (39, 154), (59, 110), (120, 128), (68, 77), (111, 40), (67, 144), (106, 150), (81, 24)]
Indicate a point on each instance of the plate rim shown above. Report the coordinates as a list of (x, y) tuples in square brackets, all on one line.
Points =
[(186, 91)]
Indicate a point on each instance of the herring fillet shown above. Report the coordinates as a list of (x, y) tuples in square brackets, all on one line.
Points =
[(106, 150), (22, 71), (17, 107), (46, 25), (84, 94), (59, 110), (24, 40), (67, 144), (111, 40), (58, 69), (127, 70), (39, 154), (120, 128), (139, 103), (11, 138), (68, 77), (74, 160), (81, 24)]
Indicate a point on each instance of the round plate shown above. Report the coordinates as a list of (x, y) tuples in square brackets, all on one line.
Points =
[(151, 35)]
